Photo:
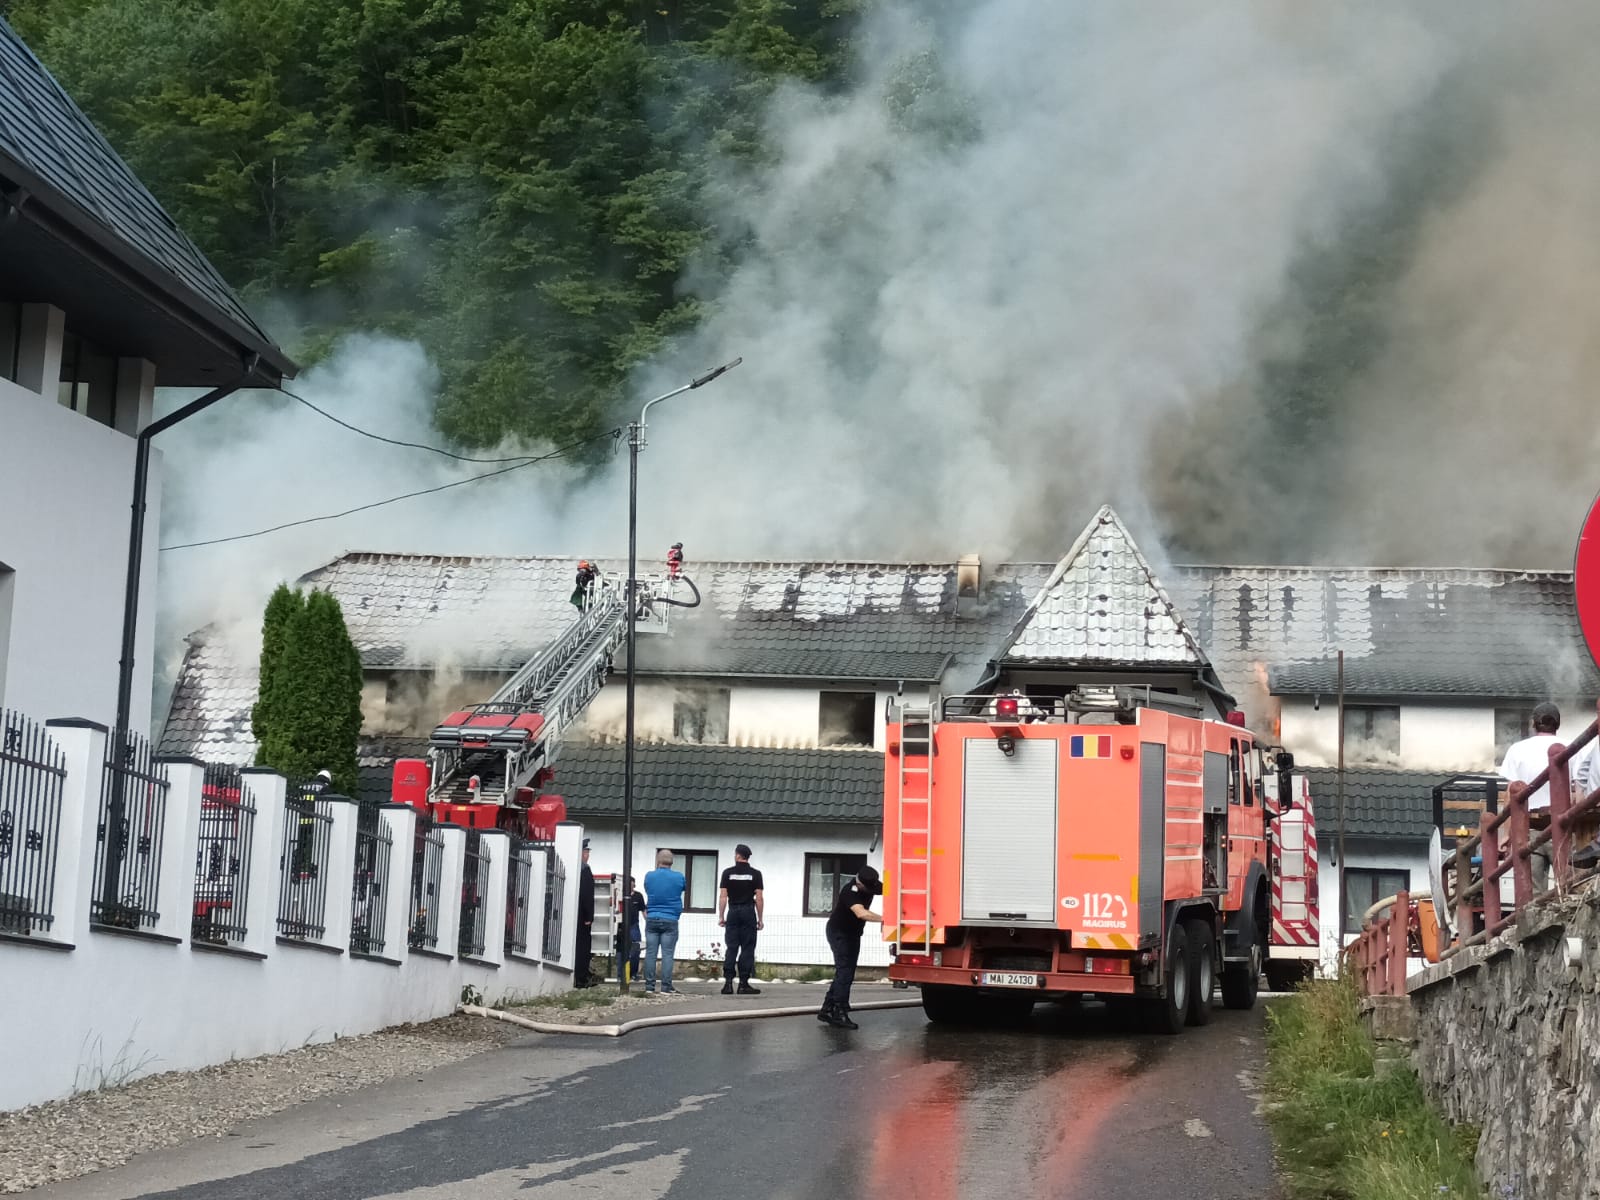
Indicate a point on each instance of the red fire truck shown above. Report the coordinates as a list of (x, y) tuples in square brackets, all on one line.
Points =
[(1106, 840)]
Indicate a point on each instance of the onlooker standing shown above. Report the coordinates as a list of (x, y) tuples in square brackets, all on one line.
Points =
[(663, 890), (740, 910), (585, 940), (1524, 761), (631, 914), (851, 912)]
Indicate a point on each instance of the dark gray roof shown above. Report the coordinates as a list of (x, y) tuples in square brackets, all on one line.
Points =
[(76, 184), (1379, 805), (726, 783), (1405, 633)]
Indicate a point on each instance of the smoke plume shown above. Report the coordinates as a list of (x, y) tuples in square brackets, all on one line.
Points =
[(1280, 281)]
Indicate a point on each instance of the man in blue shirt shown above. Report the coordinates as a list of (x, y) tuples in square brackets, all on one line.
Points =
[(663, 891)]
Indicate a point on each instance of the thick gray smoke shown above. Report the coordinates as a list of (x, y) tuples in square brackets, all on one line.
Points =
[(1280, 281)]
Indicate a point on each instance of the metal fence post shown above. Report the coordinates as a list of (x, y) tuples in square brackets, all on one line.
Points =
[(1399, 929), (1560, 848)]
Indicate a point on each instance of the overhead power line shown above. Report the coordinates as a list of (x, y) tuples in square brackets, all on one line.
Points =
[(388, 441), (517, 465)]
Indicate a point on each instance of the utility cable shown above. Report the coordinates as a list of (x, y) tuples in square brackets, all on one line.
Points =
[(517, 465), (378, 437)]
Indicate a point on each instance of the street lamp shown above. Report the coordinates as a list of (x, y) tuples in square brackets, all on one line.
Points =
[(636, 443)]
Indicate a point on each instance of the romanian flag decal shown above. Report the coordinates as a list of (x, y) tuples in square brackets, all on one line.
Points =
[(1095, 745)]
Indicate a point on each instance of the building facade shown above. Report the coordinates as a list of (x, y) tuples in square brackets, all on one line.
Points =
[(102, 300)]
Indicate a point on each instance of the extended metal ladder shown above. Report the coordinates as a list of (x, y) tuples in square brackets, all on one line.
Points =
[(913, 891)]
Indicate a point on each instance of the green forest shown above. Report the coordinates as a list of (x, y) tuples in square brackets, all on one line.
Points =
[(520, 185)]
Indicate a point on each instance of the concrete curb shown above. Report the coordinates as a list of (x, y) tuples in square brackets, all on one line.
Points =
[(750, 1014)]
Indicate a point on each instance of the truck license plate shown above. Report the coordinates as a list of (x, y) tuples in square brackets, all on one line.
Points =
[(1009, 979)]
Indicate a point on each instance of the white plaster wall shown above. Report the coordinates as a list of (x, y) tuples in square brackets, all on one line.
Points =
[(1433, 737), (606, 716), (790, 937), (773, 716), (65, 487), (97, 1007)]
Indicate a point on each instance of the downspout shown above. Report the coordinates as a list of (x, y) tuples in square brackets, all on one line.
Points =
[(116, 804)]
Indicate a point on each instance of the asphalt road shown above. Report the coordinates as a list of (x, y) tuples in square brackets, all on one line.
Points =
[(1067, 1107)]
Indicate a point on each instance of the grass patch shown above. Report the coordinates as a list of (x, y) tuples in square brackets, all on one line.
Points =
[(802, 974), (1346, 1129), (571, 1001)]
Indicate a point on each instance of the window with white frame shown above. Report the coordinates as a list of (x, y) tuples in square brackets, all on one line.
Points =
[(699, 867)]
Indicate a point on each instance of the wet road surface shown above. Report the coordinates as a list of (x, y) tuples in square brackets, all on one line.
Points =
[(1066, 1107)]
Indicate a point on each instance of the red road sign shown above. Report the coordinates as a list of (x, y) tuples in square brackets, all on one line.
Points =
[(1586, 579)]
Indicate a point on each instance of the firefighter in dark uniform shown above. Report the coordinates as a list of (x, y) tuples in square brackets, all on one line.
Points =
[(580, 967), (851, 912), (740, 910)]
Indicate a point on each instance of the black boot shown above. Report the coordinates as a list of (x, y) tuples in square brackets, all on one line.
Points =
[(727, 986), (839, 1018), (746, 990), (825, 1013)]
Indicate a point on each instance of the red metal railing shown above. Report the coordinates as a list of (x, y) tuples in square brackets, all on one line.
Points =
[(1504, 844), (1378, 955)]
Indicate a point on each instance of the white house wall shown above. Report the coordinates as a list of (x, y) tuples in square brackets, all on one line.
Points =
[(773, 716), (790, 937), (1433, 737), (1362, 856), (65, 486)]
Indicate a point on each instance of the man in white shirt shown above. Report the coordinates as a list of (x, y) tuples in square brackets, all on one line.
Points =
[(1523, 762)]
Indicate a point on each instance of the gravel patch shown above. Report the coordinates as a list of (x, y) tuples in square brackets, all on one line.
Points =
[(67, 1138), (622, 1008)]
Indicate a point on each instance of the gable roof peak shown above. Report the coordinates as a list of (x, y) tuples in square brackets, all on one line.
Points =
[(1103, 605)]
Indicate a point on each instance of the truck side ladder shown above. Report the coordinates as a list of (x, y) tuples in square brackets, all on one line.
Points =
[(913, 880)]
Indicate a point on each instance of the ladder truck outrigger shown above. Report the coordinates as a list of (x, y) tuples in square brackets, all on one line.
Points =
[(1106, 840), (487, 763)]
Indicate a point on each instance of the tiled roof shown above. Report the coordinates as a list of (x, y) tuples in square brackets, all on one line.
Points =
[(1387, 805), (1483, 634), (50, 147), (726, 783), (1103, 604), (209, 714)]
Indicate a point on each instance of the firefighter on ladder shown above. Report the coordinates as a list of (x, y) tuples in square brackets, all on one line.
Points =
[(583, 585)]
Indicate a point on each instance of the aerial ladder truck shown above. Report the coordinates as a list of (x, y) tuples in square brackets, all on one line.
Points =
[(488, 762)]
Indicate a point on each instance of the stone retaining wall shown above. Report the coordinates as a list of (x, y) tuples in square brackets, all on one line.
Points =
[(1508, 1040)]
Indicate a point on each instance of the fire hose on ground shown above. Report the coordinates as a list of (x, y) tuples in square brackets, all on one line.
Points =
[(618, 1030)]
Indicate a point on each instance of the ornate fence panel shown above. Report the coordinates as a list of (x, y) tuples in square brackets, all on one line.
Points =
[(370, 898), (474, 935), (427, 876), (128, 837), (519, 896), (222, 860), (33, 772), (303, 868), (555, 890)]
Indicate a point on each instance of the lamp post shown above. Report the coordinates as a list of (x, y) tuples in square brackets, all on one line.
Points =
[(636, 442)]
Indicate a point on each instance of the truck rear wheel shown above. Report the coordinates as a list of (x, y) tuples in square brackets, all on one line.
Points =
[(1202, 969), (944, 1005), (1168, 1012)]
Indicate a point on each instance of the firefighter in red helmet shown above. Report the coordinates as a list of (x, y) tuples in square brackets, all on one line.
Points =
[(675, 560), (583, 585)]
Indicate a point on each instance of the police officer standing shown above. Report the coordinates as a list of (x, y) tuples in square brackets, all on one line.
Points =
[(584, 947), (740, 909), (851, 912)]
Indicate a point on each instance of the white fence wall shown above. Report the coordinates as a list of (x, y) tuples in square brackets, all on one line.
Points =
[(82, 1006)]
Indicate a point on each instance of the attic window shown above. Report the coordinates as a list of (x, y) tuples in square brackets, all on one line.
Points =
[(700, 716), (846, 718), (1372, 732)]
